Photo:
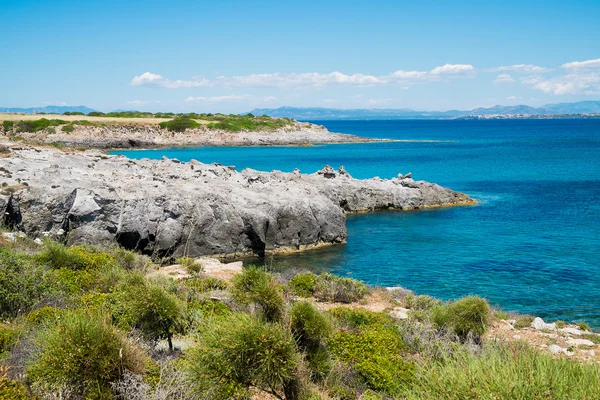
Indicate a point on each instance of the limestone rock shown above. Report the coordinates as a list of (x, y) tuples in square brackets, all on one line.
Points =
[(539, 325), (171, 209)]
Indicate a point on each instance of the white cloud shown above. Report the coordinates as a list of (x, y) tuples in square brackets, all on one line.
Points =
[(589, 64), (572, 83), (512, 98), (306, 79), (525, 68), (374, 102), (504, 78), (217, 99), (137, 103), (452, 69), (145, 79)]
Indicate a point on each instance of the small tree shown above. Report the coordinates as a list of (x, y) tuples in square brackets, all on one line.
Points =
[(242, 352), (255, 286), (158, 314)]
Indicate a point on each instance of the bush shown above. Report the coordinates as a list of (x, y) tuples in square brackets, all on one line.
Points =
[(335, 289), (583, 326), (310, 328), (82, 355), (58, 256), (191, 265), (375, 353), (38, 125), (503, 372), (198, 285), (95, 114), (73, 113), (467, 317), (68, 128), (8, 126), (21, 284), (240, 352), (148, 307), (354, 318), (303, 285), (10, 389), (179, 124), (255, 286), (9, 335), (523, 321), (420, 303)]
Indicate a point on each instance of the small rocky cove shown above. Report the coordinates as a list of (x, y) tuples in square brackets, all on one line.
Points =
[(167, 208)]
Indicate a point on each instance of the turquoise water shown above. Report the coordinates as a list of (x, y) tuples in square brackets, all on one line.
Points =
[(531, 246)]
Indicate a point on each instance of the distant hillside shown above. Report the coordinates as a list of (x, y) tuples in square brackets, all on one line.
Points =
[(316, 113), (48, 109)]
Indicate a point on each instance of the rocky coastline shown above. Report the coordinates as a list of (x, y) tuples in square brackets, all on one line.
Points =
[(127, 135), (167, 208)]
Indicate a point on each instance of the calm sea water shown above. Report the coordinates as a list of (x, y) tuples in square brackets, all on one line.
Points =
[(531, 246)]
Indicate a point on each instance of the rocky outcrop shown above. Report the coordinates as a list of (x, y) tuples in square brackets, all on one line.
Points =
[(115, 135), (169, 208)]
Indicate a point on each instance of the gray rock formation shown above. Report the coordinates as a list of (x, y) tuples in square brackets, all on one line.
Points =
[(169, 208)]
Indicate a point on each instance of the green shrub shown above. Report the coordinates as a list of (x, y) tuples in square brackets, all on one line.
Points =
[(82, 355), (359, 317), (57, 256), (335, 289), (9, 335), (191, 265), (583, 326), (310, 328), (248, 122), (239, 352), (523, 321), (255, 286), (43, 315), (501, 315), (208, 308), (8, 126), (179, 124), (21, 284), (420, 303), (199, 285), (10, 389), (38, 125), (73, 113), (150, 308), (467, 317), (95, 114), (375, 353), (68, 128), (303, 285), (560, 324), (499, 371)]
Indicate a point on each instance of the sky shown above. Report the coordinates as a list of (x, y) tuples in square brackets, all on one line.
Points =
[(234, 56)]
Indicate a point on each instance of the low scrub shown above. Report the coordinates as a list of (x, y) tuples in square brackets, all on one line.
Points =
[(310, 329), (80, 356), (375, 352), (257, 287), (303, 285), (467, 318), (37, 125), (242, 352), (179, 124), (335, 289), (59, 256)]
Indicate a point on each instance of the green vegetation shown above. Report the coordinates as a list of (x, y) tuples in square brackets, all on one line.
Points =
[(83, 322), (523, 321), (82, 354), (248, 122), (8, 126), (37, 125), (179, 124), (257, 287), (68, 128)]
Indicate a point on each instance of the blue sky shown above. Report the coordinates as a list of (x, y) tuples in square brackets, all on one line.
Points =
[(232, 56)]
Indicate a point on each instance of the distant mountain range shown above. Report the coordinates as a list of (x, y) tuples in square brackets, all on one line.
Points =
[(315, 113), (48, 109)]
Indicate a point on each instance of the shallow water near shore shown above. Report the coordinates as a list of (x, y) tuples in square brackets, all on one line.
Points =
[(532, 245)]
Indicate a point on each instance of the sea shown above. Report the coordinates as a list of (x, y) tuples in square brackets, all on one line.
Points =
[(531, 245)]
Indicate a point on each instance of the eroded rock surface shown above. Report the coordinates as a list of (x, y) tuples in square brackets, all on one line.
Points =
[(169, 208)]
